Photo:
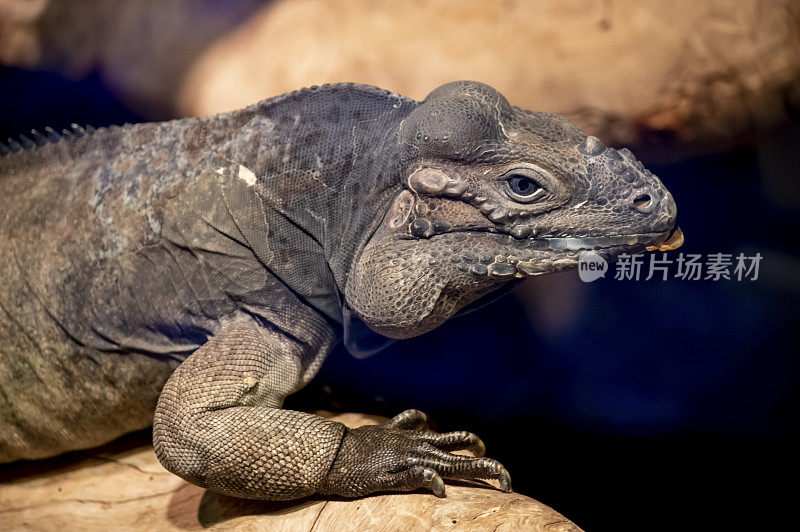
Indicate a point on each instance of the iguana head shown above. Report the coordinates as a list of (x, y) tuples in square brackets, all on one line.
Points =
[(496, 193)]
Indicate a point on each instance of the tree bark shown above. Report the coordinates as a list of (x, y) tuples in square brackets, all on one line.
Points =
[(122, 486)]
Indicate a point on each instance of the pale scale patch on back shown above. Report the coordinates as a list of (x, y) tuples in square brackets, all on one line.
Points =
[(247, 175)]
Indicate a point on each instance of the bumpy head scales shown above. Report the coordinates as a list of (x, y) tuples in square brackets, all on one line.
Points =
[(493, 193)]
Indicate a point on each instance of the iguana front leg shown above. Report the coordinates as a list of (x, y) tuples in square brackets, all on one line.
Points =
[(219, 425), (218, 422)]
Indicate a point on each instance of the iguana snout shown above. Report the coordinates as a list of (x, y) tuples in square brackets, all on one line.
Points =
[(495, 193)]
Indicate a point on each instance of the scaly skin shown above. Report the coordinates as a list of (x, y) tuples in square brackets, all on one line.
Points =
[(237, 248)]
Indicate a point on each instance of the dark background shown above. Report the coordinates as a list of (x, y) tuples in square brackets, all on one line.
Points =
[(618, 403)]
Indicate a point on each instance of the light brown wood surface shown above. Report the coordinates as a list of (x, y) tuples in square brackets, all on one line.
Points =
[(680, 72), (123, 487)]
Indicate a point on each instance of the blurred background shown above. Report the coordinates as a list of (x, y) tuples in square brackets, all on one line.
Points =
[(625, 405)]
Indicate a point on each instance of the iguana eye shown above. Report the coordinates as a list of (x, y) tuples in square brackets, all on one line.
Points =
[(523, 188)]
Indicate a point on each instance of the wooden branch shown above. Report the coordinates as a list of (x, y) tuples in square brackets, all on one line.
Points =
[(115, 487)]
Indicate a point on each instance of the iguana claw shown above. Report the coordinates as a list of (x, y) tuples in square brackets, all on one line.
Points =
[(403, 455)]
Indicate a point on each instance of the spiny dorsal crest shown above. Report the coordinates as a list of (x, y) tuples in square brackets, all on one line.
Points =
[(50, 136)]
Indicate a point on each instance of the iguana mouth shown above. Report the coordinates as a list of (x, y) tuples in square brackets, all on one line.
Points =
[(663, 241), (540, 255)]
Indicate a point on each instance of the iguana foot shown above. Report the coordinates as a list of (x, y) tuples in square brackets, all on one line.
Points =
[(403, 455)]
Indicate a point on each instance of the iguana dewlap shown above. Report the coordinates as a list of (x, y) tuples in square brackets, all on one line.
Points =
[(201, 269)]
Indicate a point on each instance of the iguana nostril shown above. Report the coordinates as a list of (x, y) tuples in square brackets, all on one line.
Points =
[(643, 203)]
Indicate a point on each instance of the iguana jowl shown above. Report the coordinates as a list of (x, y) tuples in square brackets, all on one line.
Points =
[(219, 258)]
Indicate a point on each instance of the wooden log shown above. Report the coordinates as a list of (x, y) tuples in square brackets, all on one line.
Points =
[(123, 487), (663, 76)]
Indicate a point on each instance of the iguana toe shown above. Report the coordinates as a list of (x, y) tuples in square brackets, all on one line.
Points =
[(411, 419)]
